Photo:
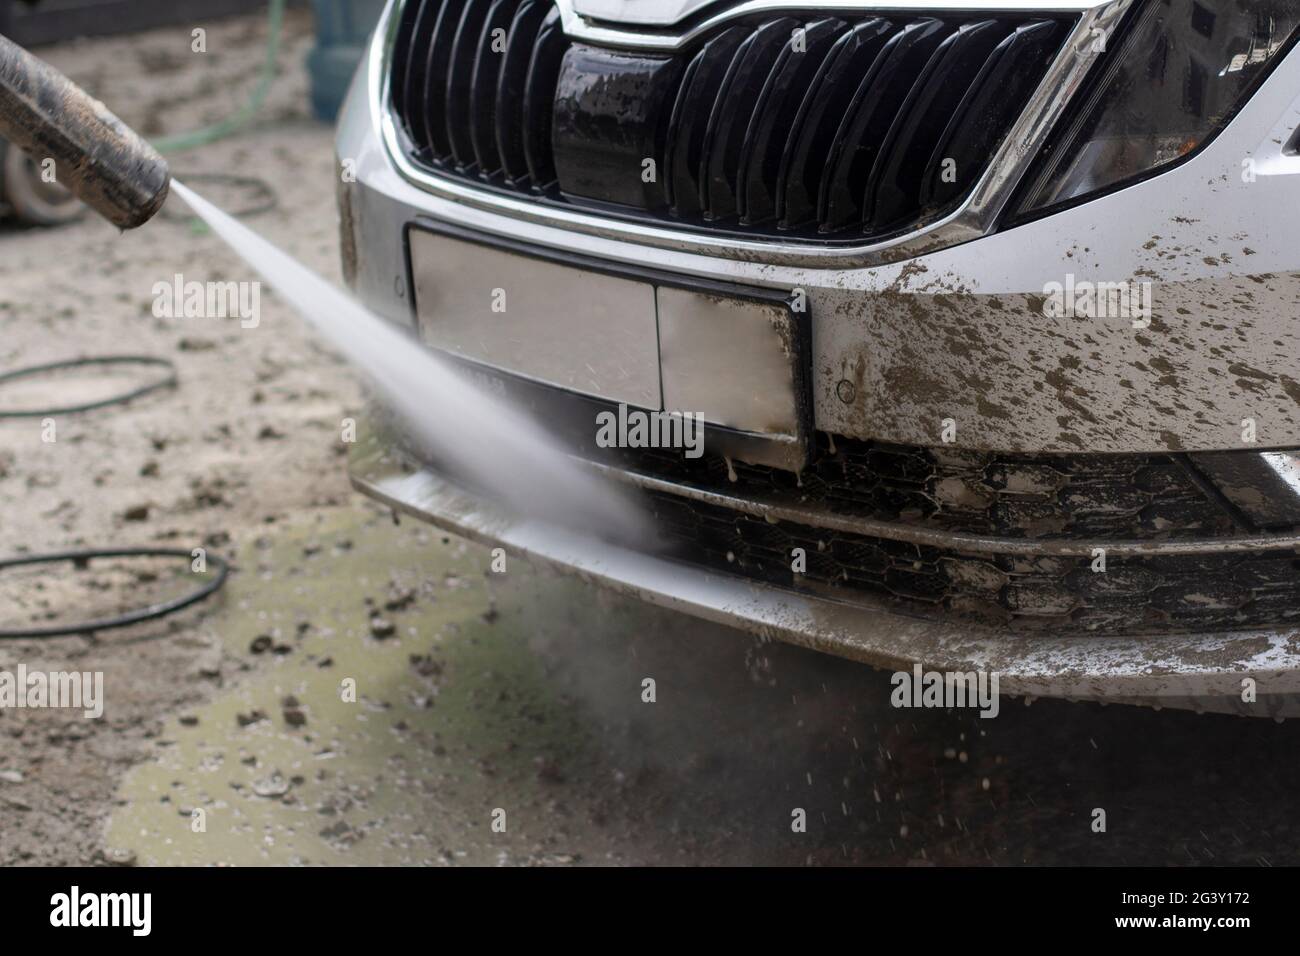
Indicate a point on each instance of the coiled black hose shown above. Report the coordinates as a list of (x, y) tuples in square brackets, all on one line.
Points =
[(122, 620), (168, 381)]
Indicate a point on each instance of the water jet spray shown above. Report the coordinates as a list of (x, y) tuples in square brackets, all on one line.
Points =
[(123, 178)]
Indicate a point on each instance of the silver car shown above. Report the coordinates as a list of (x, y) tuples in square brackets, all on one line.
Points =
[(981, 317)]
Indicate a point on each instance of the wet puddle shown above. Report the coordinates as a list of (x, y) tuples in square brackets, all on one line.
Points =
[(395, 713)]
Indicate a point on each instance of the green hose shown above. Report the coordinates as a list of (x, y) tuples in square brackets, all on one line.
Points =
[(235, 122)]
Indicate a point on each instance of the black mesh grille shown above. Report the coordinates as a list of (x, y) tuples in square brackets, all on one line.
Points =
[(1192, 593), (998, 494), (1094, 498), (813, 125)]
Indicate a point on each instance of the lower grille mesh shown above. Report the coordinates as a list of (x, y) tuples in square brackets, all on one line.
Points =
[(1095, 498), (1204, 592), (996, 494)]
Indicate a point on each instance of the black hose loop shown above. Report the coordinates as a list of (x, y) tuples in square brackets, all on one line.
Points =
[(133, 617), (167, 381)]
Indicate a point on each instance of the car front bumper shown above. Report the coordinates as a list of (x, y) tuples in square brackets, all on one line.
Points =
[(1197, 671)]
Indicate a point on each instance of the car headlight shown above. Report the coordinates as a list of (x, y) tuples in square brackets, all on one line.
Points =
[(1175, 76)]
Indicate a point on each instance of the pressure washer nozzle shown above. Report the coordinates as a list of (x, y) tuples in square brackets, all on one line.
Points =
[(97, 156)]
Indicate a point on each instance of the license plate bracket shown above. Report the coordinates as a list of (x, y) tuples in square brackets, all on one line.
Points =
[(621, 334)]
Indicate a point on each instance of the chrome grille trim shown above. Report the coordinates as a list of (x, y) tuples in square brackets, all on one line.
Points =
[(600, 32)]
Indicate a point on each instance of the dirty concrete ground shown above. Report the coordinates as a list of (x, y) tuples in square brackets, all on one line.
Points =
[(365, 692)]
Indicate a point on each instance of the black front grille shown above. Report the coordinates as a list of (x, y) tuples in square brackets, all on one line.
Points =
[(820, 126), (1136, 594), (1042, 497), (995, 494)]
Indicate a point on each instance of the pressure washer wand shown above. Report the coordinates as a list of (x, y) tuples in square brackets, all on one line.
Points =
[(96, 156)]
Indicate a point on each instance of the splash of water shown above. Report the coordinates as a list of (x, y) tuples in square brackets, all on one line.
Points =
[(489, 443)]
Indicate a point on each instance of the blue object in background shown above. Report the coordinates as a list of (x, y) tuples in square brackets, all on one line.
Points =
[(342, 28)]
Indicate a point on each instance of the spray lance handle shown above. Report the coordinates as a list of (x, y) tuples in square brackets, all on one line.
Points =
[(98, 157)]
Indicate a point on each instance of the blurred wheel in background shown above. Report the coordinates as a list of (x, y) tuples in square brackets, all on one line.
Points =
[(28, 197)]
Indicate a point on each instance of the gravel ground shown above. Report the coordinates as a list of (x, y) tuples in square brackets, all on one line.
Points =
[(249, 437), (477, 696)]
